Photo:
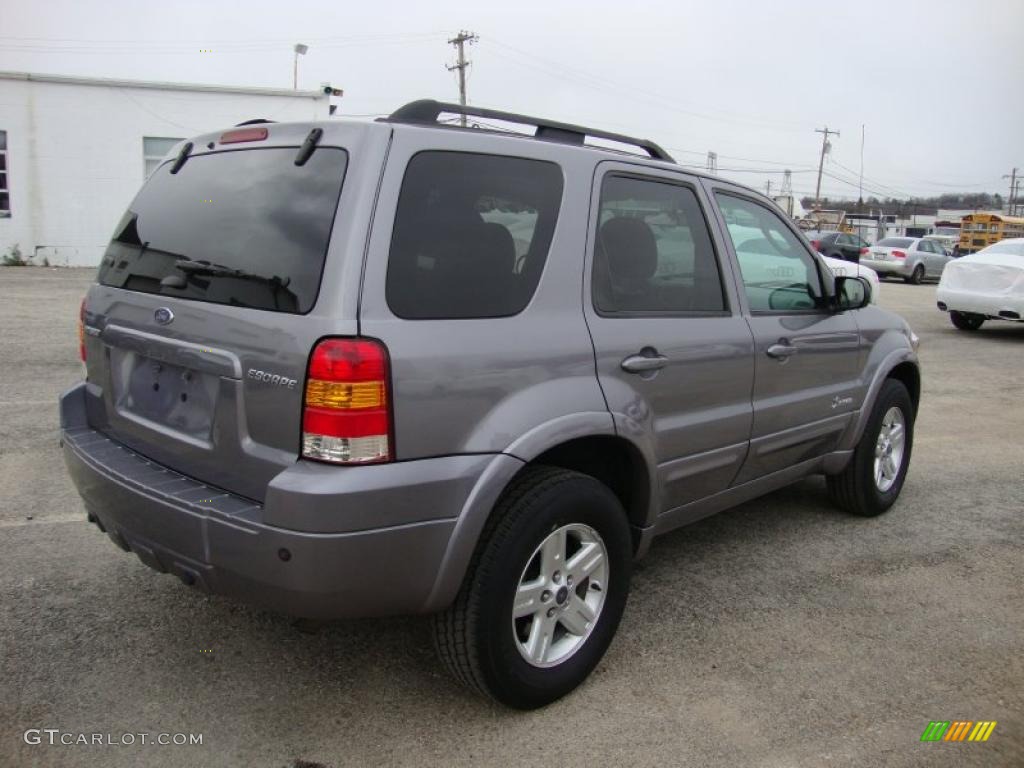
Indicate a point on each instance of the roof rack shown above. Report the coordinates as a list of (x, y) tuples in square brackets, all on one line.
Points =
[(426, 111)]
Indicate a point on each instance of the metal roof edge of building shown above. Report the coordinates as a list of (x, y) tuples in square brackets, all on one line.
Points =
[(160, 86)]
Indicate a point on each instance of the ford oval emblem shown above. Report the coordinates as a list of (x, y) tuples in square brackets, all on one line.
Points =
[(163, 315)]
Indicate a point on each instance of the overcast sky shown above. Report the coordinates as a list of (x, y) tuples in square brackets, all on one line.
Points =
[(937, 84)]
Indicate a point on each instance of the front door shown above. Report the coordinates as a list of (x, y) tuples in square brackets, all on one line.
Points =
[(674, 353), (807, 357)]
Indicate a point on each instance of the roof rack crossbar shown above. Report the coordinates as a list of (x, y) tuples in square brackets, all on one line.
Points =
[(426, 111)]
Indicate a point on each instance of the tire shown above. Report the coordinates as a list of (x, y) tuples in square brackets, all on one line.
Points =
[(856, 488), (478, 639), (917, 276), (966, 321)]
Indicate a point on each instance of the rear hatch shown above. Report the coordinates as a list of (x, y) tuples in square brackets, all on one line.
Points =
[(219, 279)]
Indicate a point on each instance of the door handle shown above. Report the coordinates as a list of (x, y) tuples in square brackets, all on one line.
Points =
[(781, 351), (644, 363)]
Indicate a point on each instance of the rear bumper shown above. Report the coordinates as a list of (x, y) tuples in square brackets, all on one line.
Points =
[(334, 565), (991, 305), (888, 267)]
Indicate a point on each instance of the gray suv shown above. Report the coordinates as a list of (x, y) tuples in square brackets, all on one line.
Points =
[(405, 367)]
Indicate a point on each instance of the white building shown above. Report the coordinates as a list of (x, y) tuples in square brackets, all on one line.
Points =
[(74, 151)]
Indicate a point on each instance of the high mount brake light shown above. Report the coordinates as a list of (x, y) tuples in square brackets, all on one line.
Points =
[(346, 417), (244, 134)]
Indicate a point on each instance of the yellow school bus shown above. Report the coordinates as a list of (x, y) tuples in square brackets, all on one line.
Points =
[(978, 230)]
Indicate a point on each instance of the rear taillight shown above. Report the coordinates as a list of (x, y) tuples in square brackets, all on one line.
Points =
[(863, 251), (81, 331), (899, 255), (816, 244), (346, 417)]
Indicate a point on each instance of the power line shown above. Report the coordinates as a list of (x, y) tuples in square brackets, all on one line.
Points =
[(222, 47), (578, 77)]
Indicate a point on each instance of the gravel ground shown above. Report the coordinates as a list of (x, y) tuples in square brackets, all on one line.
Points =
[(780, 633)]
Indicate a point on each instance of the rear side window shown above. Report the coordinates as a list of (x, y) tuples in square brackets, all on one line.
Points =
[(653, 251), (471, 235), (246, 227)]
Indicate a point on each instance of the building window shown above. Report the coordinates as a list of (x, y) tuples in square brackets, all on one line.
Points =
[(5, 190), (154, 150)]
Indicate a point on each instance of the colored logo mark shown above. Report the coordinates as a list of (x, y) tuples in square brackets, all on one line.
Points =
[(958, 730)]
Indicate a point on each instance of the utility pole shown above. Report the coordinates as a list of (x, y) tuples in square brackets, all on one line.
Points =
[(300, 50), (459, 42), (713, 163), (821, 163), (768, 188), (1012, 176), (860, 185)]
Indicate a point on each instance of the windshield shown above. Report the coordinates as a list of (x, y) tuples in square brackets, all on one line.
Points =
[(247, 228), (1017, 249), (895, 242)]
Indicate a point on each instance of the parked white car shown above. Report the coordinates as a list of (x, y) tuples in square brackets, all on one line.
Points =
[(987, 285), (912, 258), (843, 268)]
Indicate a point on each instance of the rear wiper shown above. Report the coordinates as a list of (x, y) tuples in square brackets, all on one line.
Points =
[(190, 267)]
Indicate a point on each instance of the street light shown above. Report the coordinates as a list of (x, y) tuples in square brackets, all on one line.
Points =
[(300, 50)]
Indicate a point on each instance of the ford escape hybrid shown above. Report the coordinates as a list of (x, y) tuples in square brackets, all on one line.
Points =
[(355, 369)]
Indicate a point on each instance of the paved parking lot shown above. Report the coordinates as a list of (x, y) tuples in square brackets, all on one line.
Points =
[(781, 633)]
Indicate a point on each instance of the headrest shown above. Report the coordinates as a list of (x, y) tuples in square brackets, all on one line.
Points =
[(629, 248)]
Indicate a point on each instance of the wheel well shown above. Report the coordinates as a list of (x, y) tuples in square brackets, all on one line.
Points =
[(612, 460), (910, 377)]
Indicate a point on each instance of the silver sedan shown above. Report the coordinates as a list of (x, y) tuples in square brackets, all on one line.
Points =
[(912, 258)]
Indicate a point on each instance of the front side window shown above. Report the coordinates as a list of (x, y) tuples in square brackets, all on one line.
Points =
[(779, 275), (471, 235), (653, 251), (154, 150), (5, 190)]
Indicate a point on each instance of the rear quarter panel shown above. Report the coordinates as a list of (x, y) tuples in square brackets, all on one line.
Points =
[(480, 385)]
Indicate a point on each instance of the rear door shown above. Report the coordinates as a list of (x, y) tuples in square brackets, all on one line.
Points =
[(807, 358), (217, 282), (934, 257), (846, 245), (674, 354)]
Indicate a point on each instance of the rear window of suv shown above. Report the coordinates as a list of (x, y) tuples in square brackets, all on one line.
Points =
[(471, 235), (246, 227)]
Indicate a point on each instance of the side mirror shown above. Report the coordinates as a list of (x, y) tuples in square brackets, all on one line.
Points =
[(852, 293)]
